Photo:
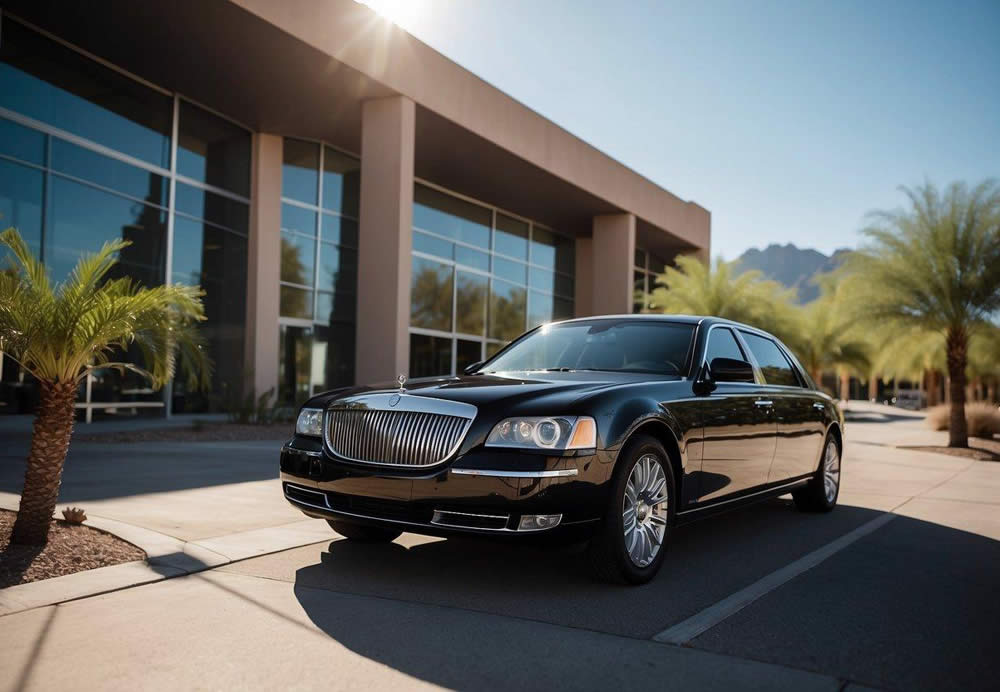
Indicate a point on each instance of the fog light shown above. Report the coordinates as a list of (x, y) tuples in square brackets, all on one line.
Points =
[(537, 522)]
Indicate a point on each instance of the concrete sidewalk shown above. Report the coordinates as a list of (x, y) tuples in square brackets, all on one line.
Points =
[(190, 506)]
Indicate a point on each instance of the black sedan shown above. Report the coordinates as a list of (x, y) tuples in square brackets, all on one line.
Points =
[(613, 429)]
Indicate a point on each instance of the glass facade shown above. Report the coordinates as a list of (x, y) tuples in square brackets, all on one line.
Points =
[(647, 268), (319, 269), (87, 156), (480, 277)]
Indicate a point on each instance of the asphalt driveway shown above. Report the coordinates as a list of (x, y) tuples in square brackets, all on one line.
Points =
[(894, 590)]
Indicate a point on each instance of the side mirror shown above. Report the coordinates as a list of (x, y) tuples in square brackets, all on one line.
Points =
[(469, 369), (731, 370)]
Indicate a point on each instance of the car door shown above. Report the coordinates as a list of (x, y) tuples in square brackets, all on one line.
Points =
[(739, 431), (798, 421)]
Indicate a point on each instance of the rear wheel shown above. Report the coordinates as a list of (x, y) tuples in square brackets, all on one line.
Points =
[(821, 493), (362, 533), (630, 545)]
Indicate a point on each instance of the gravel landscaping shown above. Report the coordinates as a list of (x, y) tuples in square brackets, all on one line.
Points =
[(71, 548)]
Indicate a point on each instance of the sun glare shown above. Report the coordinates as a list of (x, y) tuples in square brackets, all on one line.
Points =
[(403, 13)]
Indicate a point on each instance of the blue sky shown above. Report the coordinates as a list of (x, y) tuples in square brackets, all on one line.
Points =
[(787, 120)]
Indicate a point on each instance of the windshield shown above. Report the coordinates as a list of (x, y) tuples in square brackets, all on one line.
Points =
[(620, 345)]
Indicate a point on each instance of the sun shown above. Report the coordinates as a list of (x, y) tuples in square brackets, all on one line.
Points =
[(404, 13)]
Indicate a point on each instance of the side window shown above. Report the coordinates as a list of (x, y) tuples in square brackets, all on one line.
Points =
[(773, 363), (722, 344)]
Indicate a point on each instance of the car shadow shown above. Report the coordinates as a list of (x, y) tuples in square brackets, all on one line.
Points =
[(708, 561)]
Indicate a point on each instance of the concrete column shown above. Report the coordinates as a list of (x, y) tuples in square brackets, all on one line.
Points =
[(583, 298), (264, 270), (612, 259), (384, 265)]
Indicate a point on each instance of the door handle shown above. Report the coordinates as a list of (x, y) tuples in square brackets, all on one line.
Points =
[(763, 402), (819, 406)]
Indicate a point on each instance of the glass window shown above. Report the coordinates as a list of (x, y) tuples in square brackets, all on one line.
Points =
[(429, 355), (295, 363), (21, 204), (550, 281), (562, 308), (338, 268), (452, 217), (298, 259), (552, 250), (298, 219), (81, 219), (722, 344), (773, 363), (466, 353), (337, 229), (470, 303), (295, 302), (300, 172), (656, 265), (430, 295), (21, 142), (625, 345), (341, 182), (213, 150), (107, 172), (639, 292), (333, 356), (432, 245), (492, 347), (336, 307), (223, 211), (540, 308), (640, 258), (472, 258), (510, 270), (508, 310), (511, 237), (56, 85)]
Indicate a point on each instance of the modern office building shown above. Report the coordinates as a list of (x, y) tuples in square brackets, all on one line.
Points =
[(354, 204)]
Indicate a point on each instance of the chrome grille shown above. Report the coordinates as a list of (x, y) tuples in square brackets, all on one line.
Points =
[(396, 430)]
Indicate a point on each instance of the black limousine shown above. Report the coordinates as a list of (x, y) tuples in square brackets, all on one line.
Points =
[(613, 429)]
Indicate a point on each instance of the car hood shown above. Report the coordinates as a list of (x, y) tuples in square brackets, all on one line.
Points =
[(512, 390)]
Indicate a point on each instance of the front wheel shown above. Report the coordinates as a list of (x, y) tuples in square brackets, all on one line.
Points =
[(821, 493), (361, 533), (630, 545)]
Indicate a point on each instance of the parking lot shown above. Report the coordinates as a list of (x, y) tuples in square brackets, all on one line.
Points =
[(893, 590)]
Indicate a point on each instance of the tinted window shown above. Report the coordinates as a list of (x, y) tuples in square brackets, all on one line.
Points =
[(212, 150), (620, 345), (722, 344), (773, 364)]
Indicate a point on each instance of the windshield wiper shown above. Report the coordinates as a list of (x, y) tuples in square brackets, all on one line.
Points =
[(556, 370)]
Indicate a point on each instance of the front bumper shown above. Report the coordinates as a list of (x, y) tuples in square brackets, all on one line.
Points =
[(483, 491)]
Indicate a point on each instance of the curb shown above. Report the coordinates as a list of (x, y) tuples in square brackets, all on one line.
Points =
[(166, 557)]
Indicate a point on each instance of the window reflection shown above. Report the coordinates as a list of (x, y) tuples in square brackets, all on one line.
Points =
[(341, 182), (107, 172), (466, 353), (430, 295), (452, 217), (202, 204), (21, 204), (429, 355), (298, 257), (507, 310), (21, 143), (300, 172), (295, 365), (56, 85), (511, 237), (213, 150), (470, 303)]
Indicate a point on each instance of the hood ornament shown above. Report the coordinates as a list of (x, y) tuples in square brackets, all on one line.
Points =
[(402, 380)]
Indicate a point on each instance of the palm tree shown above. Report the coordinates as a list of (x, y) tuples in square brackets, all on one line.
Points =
[(828, 339), (58, 333), (936, 266), (694, 288)]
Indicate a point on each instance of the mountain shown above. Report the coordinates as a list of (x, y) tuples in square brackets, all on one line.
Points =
[(791, 266)]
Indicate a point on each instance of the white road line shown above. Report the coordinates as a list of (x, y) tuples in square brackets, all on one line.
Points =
[(697, 624)]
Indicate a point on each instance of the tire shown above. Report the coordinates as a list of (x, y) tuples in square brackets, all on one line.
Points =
[(813, 497), (361, 533), (610, 557)]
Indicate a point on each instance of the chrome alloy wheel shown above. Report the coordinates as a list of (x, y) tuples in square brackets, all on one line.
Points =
[(644, 510), (831, 471)]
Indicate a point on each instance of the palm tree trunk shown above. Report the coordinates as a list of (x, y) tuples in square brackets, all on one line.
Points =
[(845, 386), (49, 441), (957, 344), (932, 387)]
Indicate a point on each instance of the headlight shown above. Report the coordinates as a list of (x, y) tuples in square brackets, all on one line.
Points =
[(310, 422), (556, 432)]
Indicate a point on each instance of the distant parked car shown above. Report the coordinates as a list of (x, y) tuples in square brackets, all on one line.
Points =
[(910, 399), (610, 428)]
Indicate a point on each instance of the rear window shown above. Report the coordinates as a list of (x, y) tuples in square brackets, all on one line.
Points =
[(775, 367)]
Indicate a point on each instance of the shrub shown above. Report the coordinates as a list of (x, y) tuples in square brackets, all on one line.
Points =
[(983, 419)]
